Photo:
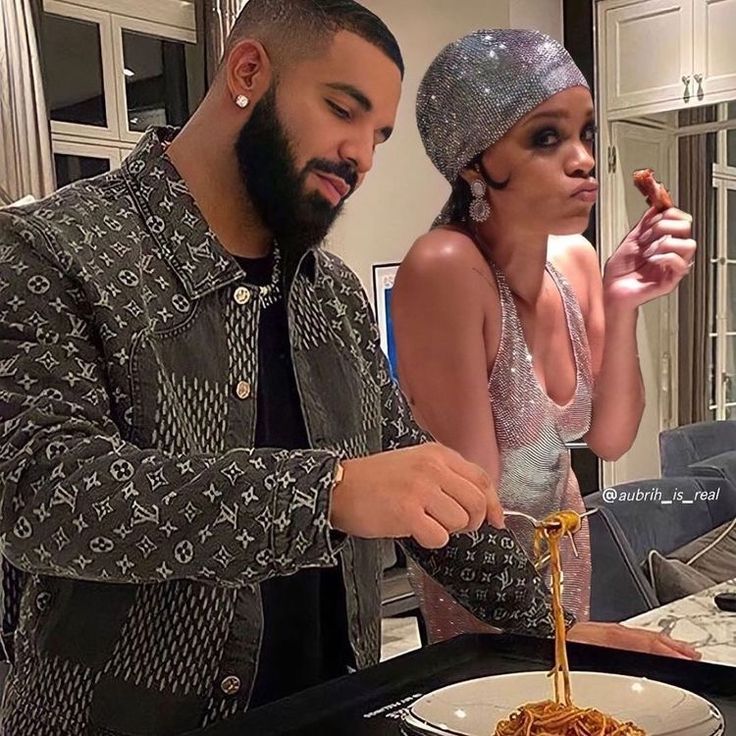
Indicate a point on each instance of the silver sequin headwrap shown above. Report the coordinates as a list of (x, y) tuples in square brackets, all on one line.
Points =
[(480, 86)]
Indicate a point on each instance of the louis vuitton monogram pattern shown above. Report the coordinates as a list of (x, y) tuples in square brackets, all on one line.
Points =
[(131, 494)]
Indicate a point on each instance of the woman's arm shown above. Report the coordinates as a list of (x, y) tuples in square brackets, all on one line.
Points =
[(650, 262), (439, 320), (618, 389)]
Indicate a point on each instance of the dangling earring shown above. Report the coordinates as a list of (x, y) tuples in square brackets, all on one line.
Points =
[(480, 210), (242, 101)]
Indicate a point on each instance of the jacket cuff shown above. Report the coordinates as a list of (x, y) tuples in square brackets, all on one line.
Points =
[(302, 535)]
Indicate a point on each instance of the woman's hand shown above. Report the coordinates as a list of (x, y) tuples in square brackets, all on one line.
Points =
[(630, 639), (651, 261)]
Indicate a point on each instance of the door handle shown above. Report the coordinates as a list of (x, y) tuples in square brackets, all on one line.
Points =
[(699, 79), (686, 93)]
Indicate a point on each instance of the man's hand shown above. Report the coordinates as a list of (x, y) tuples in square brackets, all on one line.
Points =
[(427, 492), (633, 640)]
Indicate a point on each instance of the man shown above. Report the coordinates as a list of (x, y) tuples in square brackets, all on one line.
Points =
[(162, 328)]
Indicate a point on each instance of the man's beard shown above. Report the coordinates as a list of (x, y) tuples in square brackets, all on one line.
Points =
[(297, 220)]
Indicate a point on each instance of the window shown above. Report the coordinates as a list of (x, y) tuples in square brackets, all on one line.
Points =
[(69, 167), (723, 275), (74, 161), (72, 70), (155, 81), (110, 75)]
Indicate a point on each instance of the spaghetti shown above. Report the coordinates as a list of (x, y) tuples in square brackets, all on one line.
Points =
[(559, 717)]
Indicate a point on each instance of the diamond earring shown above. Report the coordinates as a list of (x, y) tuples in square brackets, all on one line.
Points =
[(480, 210), (242, 101)]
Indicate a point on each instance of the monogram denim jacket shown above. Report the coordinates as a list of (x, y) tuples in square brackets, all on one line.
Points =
[(137, 518)]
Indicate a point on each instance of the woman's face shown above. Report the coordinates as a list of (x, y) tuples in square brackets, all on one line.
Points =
[(547, 158)]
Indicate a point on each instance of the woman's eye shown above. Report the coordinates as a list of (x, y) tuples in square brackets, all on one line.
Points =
[(546, 138), (341, 112), (589, 134)]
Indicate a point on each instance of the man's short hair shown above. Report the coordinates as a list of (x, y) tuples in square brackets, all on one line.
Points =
[(293, 30)]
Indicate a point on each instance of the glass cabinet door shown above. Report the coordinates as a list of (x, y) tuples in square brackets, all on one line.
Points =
[(78, 70)]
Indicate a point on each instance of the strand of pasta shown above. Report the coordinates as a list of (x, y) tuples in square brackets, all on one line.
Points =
[(559, 717)]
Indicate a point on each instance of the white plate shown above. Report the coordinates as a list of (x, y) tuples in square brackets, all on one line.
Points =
[(475, 707)]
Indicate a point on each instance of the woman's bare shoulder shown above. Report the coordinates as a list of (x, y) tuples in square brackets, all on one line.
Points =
[(444, 254), (572, 252), (576, 258)]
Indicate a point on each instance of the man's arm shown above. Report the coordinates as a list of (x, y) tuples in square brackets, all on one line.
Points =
[(485, 571), (80, 501)]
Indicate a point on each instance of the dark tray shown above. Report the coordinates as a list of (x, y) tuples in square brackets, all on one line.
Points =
[(370, 703)]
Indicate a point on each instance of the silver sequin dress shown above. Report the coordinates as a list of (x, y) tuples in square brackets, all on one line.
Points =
[(535, 472)]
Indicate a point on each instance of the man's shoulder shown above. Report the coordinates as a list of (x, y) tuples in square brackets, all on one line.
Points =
[(70, 221), (347, 281)]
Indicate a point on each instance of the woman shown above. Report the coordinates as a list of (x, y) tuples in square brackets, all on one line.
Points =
[(509, 341)]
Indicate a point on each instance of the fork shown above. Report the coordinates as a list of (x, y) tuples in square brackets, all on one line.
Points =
[(537, 524)]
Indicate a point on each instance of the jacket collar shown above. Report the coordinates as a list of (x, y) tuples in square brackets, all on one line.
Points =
[(175, 222)]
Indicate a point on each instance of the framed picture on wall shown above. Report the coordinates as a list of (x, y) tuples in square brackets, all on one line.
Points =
[(383, 284)]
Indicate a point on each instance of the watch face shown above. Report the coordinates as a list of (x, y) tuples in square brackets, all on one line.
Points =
[(339, 473)]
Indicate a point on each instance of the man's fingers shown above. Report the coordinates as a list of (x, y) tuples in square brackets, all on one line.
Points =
[(450, 514), (472, 500), (469, 471), (430, 534), (491, 511), (494, 513)]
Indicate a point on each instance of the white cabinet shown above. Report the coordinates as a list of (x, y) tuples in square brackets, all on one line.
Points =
[(112, 69), (648, 50), (714, 66), (661, 55)]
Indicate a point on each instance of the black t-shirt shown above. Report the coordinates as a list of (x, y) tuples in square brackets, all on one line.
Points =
[(305, 639)]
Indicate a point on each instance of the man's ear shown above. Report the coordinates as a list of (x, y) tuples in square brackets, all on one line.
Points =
[(248, 70)]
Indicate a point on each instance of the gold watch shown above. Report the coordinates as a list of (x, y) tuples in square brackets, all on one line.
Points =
[(339, 475)]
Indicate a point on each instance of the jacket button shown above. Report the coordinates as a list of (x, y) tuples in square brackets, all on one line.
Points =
[(242, 295), (230, 685), (242, 390)]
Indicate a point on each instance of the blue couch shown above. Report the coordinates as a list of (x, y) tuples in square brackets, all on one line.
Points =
[(623, 533), (690, 450)]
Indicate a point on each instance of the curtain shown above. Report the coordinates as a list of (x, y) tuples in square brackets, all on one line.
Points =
[(697, 195), (26, 164), (217, 18)]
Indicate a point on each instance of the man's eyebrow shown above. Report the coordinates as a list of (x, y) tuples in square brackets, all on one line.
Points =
[(354, 92)]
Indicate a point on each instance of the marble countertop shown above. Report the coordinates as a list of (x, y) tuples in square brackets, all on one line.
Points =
[(699, 622)]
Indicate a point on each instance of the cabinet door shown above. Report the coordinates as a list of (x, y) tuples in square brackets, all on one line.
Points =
[(78, 70), (74, 161), (156, 72), (648, 50), (623, 205), (715, 49)]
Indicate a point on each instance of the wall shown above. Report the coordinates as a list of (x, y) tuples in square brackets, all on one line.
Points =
[(544, 15), (403, 193)]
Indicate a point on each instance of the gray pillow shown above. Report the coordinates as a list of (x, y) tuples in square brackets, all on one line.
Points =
[(713, 554), (673, 579)]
